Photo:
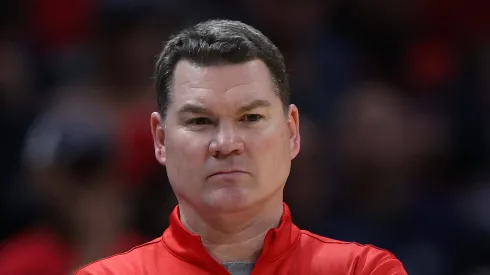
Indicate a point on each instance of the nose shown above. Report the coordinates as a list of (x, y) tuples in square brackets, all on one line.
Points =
[(226, 142)]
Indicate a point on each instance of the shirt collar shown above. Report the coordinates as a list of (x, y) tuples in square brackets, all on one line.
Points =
[(188, 246)]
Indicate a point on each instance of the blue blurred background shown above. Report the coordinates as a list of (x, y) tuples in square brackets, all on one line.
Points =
[(395, 119)]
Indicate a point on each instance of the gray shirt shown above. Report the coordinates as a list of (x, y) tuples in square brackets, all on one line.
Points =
[(239, 268)]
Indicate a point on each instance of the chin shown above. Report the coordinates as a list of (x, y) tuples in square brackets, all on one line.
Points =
[(229, 200)]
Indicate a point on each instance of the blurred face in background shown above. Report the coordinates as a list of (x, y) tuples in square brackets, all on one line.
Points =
[(15, 77), (126, 55), (374, 128), (380, 129), (227, 142)]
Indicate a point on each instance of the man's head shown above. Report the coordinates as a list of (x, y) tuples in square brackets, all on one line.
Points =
[(215, 43), (225, 129)]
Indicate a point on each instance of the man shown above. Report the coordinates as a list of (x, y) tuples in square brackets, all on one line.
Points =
[(227, 134)]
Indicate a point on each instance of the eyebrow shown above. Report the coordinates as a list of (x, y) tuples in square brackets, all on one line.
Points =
[(198, 109), (194, 109), (258, 103)]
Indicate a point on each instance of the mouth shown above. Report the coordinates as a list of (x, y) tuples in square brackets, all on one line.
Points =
[(230, 173)]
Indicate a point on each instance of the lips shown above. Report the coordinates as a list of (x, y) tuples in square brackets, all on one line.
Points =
[(226, 173)]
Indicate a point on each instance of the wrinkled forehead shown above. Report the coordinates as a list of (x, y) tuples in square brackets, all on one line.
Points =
[(223, 84)]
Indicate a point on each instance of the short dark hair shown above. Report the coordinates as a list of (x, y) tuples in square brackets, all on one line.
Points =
[(218, 42)]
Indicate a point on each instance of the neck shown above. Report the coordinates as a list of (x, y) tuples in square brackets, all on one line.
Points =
[(237, 236)]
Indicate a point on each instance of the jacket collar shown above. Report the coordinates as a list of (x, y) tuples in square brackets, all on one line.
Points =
[(188, 246)]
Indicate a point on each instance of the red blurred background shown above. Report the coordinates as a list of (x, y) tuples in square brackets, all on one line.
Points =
[(394, 98)]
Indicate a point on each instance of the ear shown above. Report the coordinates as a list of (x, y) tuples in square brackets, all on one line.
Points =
[(158, 133), (294, 136)]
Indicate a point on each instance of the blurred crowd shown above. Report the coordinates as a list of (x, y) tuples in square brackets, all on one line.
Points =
[(394, 99)]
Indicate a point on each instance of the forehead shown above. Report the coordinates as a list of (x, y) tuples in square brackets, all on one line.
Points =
[(233, 82)]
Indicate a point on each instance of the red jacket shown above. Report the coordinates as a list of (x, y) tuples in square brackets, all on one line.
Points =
[(287, 250)]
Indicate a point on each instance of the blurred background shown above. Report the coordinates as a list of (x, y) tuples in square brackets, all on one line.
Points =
[(395, 104)]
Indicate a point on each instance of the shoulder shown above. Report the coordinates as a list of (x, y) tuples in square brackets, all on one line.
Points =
[(340, 247), (129, 262), (359, 258)]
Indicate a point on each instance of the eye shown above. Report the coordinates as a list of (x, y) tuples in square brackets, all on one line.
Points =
[(251, 117), (199, 121)]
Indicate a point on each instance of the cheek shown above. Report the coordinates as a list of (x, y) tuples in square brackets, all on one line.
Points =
[(185, 155), (271, 150), (183, 144)]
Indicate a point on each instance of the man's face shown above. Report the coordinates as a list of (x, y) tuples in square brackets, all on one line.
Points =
[(226, 141)]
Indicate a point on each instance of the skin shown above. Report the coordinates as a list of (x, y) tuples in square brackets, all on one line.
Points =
[(227, 143)]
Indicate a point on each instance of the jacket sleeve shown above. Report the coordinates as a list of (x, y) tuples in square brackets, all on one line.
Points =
[(93, 269), (83, 272), (389, 267), (381, 262)]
